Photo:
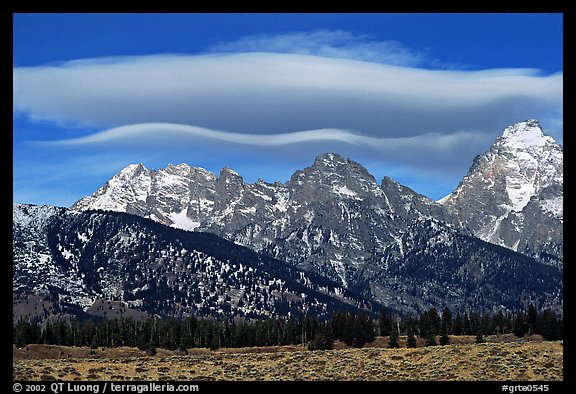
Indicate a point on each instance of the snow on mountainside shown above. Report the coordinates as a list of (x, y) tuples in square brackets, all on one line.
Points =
[(35, 270), (513, 194), (180, 196), (116, 264), (74, 263)]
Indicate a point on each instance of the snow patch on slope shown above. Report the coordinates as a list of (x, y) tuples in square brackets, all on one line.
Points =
[(182, 221)]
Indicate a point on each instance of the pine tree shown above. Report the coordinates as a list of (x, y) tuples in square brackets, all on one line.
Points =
[(364, 330), (479, 337), (444, 339), (48, 337), (94, 343), (486, 325), (499, 323), (349, 333), (430, 322), (21, 333), (431, 339), (338, 323), (458, 325), (291, 332), (467, 330), (150, 349), (532, 319), (446, 327), (475, 322), (393, 338), (141, 340), (551, 325), (447, 323), (322, 338), (520, 325), (411, 340), (384, 323)]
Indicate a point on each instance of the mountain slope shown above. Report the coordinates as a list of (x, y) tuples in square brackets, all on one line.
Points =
[(75, 262), (513, 194), (437, 265), (116, 264)]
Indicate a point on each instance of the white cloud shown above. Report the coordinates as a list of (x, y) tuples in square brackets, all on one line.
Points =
[(152, 132), (327, 43), (432, 151), (266, 93)]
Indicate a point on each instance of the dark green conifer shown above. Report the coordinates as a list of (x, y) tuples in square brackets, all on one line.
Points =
[(393, 338), (411, 340)]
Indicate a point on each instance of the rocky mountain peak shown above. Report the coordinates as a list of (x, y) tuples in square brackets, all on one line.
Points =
[(512, 189), (524, 134), (132, 170), (228, 172), (332, 176), (331, 169), (389, 182), (181, 169), (334, 162), (230, 179), (405, 201), (330, 160)]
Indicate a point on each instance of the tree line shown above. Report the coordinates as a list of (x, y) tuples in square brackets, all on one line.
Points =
[(354, 330)]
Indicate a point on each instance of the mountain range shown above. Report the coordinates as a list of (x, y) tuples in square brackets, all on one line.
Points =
[(496, 242)]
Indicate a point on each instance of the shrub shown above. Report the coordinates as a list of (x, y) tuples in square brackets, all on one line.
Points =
[(150, 349)]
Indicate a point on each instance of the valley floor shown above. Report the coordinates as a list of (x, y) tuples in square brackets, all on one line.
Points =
[(520, 361)]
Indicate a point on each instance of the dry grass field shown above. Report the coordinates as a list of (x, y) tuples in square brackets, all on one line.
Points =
[(505, 361)]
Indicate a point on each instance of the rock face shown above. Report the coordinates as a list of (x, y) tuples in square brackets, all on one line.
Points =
[(513, 194)]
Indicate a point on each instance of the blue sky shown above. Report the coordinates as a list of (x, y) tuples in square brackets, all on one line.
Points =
[(411, 96)]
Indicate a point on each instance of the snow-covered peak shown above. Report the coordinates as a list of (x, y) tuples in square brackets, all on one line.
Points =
[(525, 134), (496, 199), (131, 170), (131, 185), (183, 166)]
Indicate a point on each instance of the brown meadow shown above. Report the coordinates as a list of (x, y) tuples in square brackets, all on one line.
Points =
[(503, 361)]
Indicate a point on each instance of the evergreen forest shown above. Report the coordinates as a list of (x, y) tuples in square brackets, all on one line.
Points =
[(352, 329)]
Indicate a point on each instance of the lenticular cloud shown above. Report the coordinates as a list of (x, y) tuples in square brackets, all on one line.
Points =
[(152, 133), (272, 93)]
